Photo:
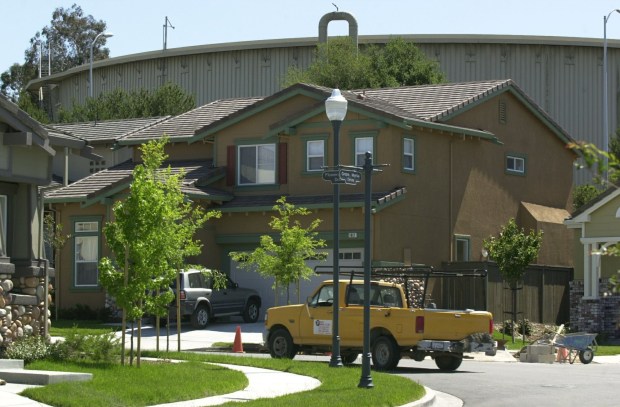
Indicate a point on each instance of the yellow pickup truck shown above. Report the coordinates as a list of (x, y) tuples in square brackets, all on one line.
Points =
[(396, 330)]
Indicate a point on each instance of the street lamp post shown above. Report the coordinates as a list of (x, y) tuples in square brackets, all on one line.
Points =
[(336, 110), (605, 108), (90, 71), (366, 378)]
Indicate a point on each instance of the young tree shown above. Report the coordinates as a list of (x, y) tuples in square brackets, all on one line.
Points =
[(68, 37), (285, 259), (339, 64), (151, 236), (513, 251)]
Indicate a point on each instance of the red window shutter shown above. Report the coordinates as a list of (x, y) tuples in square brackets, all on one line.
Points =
[(231, 154), (282, 163)]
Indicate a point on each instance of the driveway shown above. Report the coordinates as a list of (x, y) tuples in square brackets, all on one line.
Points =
[(198, 339)]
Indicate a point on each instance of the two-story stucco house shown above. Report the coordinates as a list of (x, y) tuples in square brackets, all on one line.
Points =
[(463, 159)]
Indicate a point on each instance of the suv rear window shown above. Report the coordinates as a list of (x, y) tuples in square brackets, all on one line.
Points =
[(195, 280)]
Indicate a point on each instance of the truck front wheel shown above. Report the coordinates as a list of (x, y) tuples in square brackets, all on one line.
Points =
[(385, 354), (447, 362), (281, 345)]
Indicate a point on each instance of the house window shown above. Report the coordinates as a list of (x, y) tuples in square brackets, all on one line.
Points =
[(461, 248), (86, 249), (408, 154), (4, 221), (257, 164), (315, 155), (96, 166), (515, 164), (362, 145)]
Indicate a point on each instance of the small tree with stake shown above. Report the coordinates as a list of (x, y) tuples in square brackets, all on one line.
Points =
[(285, 260), (151, 236), (513, 251)]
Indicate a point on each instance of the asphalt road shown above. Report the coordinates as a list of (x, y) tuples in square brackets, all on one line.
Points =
[(521, 384)]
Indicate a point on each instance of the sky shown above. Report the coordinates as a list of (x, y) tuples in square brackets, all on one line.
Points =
[(137, 25)]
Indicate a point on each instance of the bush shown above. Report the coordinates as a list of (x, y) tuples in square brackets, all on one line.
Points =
[(29, 349), (508, 328), (76, 346), (525, 327)]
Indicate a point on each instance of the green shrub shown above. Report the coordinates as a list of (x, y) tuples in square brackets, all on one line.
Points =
[(29, 349), (525, 327), (507, 327), (77, 346)]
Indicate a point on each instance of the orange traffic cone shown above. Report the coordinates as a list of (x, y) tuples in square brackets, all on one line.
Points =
[(237, 345)]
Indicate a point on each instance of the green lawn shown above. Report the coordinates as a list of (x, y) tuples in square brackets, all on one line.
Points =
[(152, 383), (142, 387)]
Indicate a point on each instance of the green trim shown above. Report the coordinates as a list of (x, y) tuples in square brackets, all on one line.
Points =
[(99, 196), (304, 160), (413, 158), (326, 205), (254, 238), (286, 127), (455, 130), (346, 123), (364, 134), (514, 172), (62, 200), (74, 234)]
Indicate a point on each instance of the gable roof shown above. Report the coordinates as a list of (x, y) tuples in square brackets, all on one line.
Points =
[(184, 126), (583, 214), (106, 183), (30, 131), (105, 131)]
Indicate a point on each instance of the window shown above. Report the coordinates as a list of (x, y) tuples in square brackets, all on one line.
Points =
[(96, 166), (408, 154), (515, 164), (86, 248), (324, 298), (315, 155), (461, 248), (257, 164), (362, 145), (4, 221), (350, 255)]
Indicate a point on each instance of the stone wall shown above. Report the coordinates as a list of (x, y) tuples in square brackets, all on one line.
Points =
[(600, 315), (22, 307)]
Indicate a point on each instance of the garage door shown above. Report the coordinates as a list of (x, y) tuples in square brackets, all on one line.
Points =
[(246, 278)]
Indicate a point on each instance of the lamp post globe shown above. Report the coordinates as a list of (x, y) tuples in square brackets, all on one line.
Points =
[(90, 70), (336, 110)]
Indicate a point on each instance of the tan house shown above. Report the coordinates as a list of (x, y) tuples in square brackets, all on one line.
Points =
[(463, 159), (25, 166), (596, 227)]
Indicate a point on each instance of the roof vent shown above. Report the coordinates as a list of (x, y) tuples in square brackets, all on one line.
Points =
[(502, 112)]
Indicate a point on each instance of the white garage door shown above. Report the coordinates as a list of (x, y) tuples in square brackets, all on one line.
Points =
[(252, 279)]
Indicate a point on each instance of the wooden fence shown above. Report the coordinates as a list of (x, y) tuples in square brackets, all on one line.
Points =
[(543, 296)]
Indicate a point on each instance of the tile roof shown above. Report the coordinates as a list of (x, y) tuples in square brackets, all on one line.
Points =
[(116, 178), (105, 131), (432, 102), (186, 124)]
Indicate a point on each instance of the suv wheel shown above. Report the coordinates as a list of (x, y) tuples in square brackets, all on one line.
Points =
[(200, 317), (251, 311)]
